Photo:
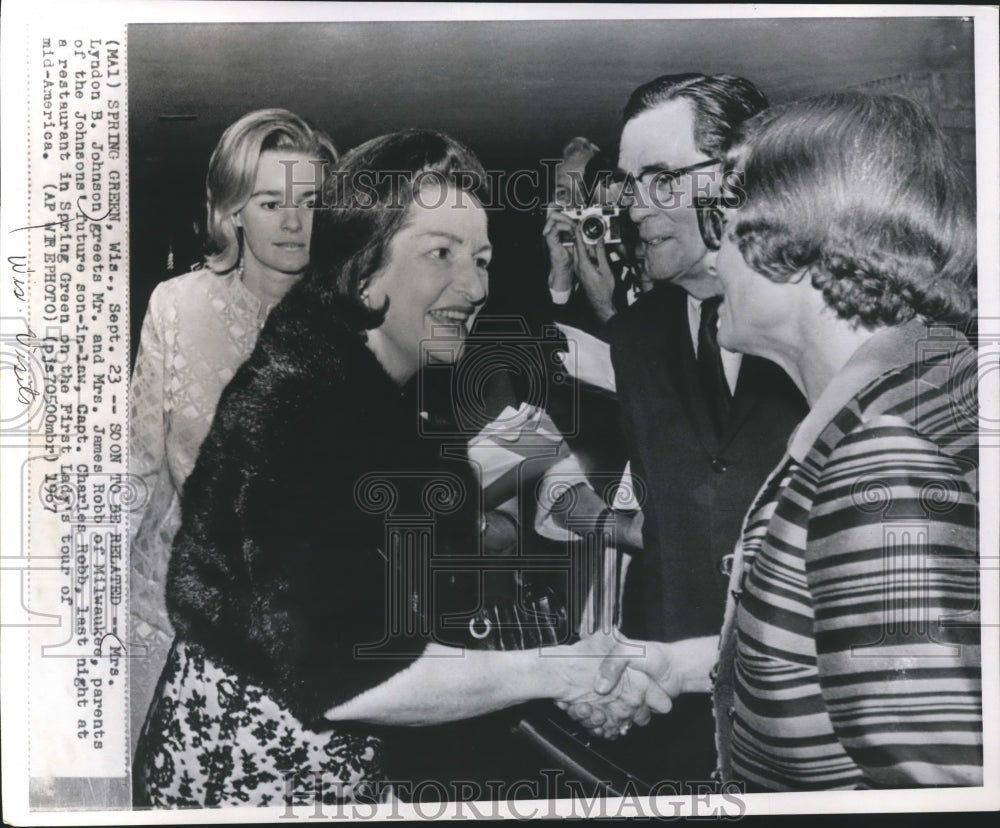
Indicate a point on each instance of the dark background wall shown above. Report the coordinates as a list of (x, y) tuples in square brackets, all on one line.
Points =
[(950, 94), (513, 91)]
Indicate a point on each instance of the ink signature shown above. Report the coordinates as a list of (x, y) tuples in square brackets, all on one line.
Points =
[(26, 391), (81, 213), (19, 264)]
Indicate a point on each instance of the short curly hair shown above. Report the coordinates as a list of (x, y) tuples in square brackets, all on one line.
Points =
[(859, 191), (233, 167), (366, 200)]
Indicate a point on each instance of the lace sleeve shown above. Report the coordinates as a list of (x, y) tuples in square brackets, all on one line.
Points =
[(147, 437)]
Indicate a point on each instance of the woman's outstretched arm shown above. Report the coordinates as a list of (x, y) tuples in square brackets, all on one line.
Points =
[(447, 684)]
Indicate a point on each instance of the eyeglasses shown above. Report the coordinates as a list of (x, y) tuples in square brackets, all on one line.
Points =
[(711, 221), (660, 182)]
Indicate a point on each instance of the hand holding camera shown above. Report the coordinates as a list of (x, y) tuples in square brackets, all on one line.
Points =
[(576, 237), (593, 268), (561, 258)]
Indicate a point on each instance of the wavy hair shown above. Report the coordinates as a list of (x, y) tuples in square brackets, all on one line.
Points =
[(233, 168), (861, 192), (720, 104), (366, 201)]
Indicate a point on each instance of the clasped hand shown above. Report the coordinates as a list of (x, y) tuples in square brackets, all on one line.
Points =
[(630, 680)]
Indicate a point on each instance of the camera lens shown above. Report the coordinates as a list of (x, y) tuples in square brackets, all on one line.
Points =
[(592, 228)]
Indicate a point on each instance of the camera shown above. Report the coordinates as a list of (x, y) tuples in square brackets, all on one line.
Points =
[(597, 224)]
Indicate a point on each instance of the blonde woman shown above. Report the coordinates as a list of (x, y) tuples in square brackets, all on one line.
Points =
[(199, 328)]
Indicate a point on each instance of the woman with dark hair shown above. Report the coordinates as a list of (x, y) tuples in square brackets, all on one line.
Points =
[(309, 597), (198, 329), (850, 655)]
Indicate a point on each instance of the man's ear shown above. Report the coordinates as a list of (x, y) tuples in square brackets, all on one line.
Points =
[(237, 220)]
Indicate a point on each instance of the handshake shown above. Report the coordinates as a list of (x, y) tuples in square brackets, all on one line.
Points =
[(611, 682)]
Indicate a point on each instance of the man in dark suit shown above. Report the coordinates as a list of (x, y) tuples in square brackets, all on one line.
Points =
[(703, 426)]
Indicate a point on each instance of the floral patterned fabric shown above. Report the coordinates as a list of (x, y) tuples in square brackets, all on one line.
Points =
[(199, 328), (212, 739)]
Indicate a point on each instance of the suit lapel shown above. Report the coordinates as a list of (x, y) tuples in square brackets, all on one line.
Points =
[(753, 378)]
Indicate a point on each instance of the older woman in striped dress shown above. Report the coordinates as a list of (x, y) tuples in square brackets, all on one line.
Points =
[(850, 653)]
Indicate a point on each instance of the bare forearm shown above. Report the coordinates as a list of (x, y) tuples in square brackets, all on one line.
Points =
[(446, 684), (600, 298), (694, 659)]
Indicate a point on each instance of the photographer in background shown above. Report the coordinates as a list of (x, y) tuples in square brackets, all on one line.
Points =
[(597, 249), (570, 172), (569, 193)]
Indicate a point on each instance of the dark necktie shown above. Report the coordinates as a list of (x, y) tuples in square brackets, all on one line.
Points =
[(710, 371)]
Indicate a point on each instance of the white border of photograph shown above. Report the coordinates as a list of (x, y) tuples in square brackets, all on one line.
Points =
[(41, 13)]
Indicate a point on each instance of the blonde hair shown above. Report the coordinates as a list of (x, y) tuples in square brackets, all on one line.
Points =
[(233, 168)]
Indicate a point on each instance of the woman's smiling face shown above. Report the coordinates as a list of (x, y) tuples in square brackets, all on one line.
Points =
[(435, 279)]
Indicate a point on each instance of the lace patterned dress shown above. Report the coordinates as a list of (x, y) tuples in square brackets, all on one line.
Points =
[(221, 740), (296, 580), (199, 328)]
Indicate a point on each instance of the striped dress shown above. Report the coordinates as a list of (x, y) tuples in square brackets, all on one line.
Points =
[(854, 641)]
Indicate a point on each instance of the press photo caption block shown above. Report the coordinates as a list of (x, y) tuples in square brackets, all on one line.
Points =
[(64, 329)]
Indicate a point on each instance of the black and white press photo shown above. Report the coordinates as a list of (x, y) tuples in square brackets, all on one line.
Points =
[(423, 411)]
